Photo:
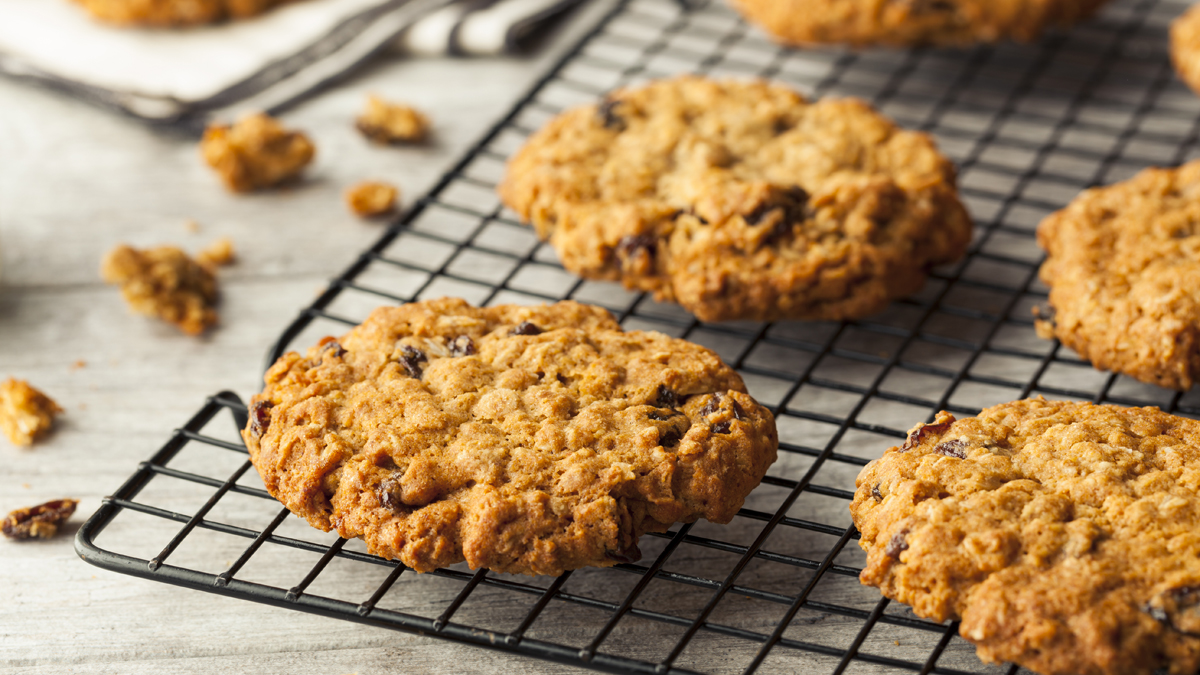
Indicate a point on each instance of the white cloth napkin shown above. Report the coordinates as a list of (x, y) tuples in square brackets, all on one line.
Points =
[(188, 76)]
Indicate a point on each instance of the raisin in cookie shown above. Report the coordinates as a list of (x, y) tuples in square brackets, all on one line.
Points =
[(1123, 266), (530, 440), (740, 200), (1065, 536), (174, 13), (902, 23), (1185, 47)]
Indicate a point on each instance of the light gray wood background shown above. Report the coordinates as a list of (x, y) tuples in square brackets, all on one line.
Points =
[(75, 181)]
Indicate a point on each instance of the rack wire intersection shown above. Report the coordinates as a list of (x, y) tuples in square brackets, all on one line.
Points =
[(776, 590)]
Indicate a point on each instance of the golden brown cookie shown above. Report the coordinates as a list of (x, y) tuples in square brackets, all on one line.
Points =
[(1123, 266), (1185, 47), (174, 13), (1065, 536), (255, 153), (26, 414), (902, 23), (166, 283), (530, 440), (740, 200)]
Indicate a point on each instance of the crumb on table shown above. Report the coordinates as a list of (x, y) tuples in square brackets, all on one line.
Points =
[(38, 522), (371, 198), (218, 253), (166, 283), (384, 122), (25, 413), (256, 152)]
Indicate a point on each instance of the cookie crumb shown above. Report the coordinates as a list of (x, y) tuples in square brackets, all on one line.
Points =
[(388, 123), (38, 522), (166, 283), (257, 152), (191, 226), (218, 253), (371, 198), (26, 414), (79, 364)]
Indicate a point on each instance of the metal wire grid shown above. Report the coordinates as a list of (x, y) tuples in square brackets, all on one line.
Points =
[(776, 590)]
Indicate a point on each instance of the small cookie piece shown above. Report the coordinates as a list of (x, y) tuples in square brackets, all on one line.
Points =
[(38, 522), (174, 13), (1185, 47), (166, 283), (1065, 536), (905, 23), (217, 254), (1123, 267), (371, 198), (530, 440), (255, 153), (26, 414), (740, 200), (385, 123)]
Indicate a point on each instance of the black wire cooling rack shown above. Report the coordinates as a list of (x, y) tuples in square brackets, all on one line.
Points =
[(776, 589)]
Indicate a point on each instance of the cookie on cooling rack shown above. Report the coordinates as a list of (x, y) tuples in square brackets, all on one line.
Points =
[(1185, 47), (902, 23), (741, 200), (1123, 266), (1063, 535), (529, 440), (174, 13)]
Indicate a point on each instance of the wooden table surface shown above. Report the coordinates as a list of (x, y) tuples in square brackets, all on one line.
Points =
[(75, 181)]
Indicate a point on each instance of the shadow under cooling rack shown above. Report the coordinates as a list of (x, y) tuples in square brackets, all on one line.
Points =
[(776, 590)]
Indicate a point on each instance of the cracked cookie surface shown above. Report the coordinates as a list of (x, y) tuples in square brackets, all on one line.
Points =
[(740, 200), (902, 23), (1063, 535), (1123, 266), (529, 440)]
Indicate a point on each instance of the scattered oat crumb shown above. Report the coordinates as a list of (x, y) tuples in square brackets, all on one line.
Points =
[(25, 485), (25, 413), (256, 152), (166, 283), (218, 253), (38, 522), (192, 226), (897, 642), (80, 363), (384, 122), (371, 198)]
